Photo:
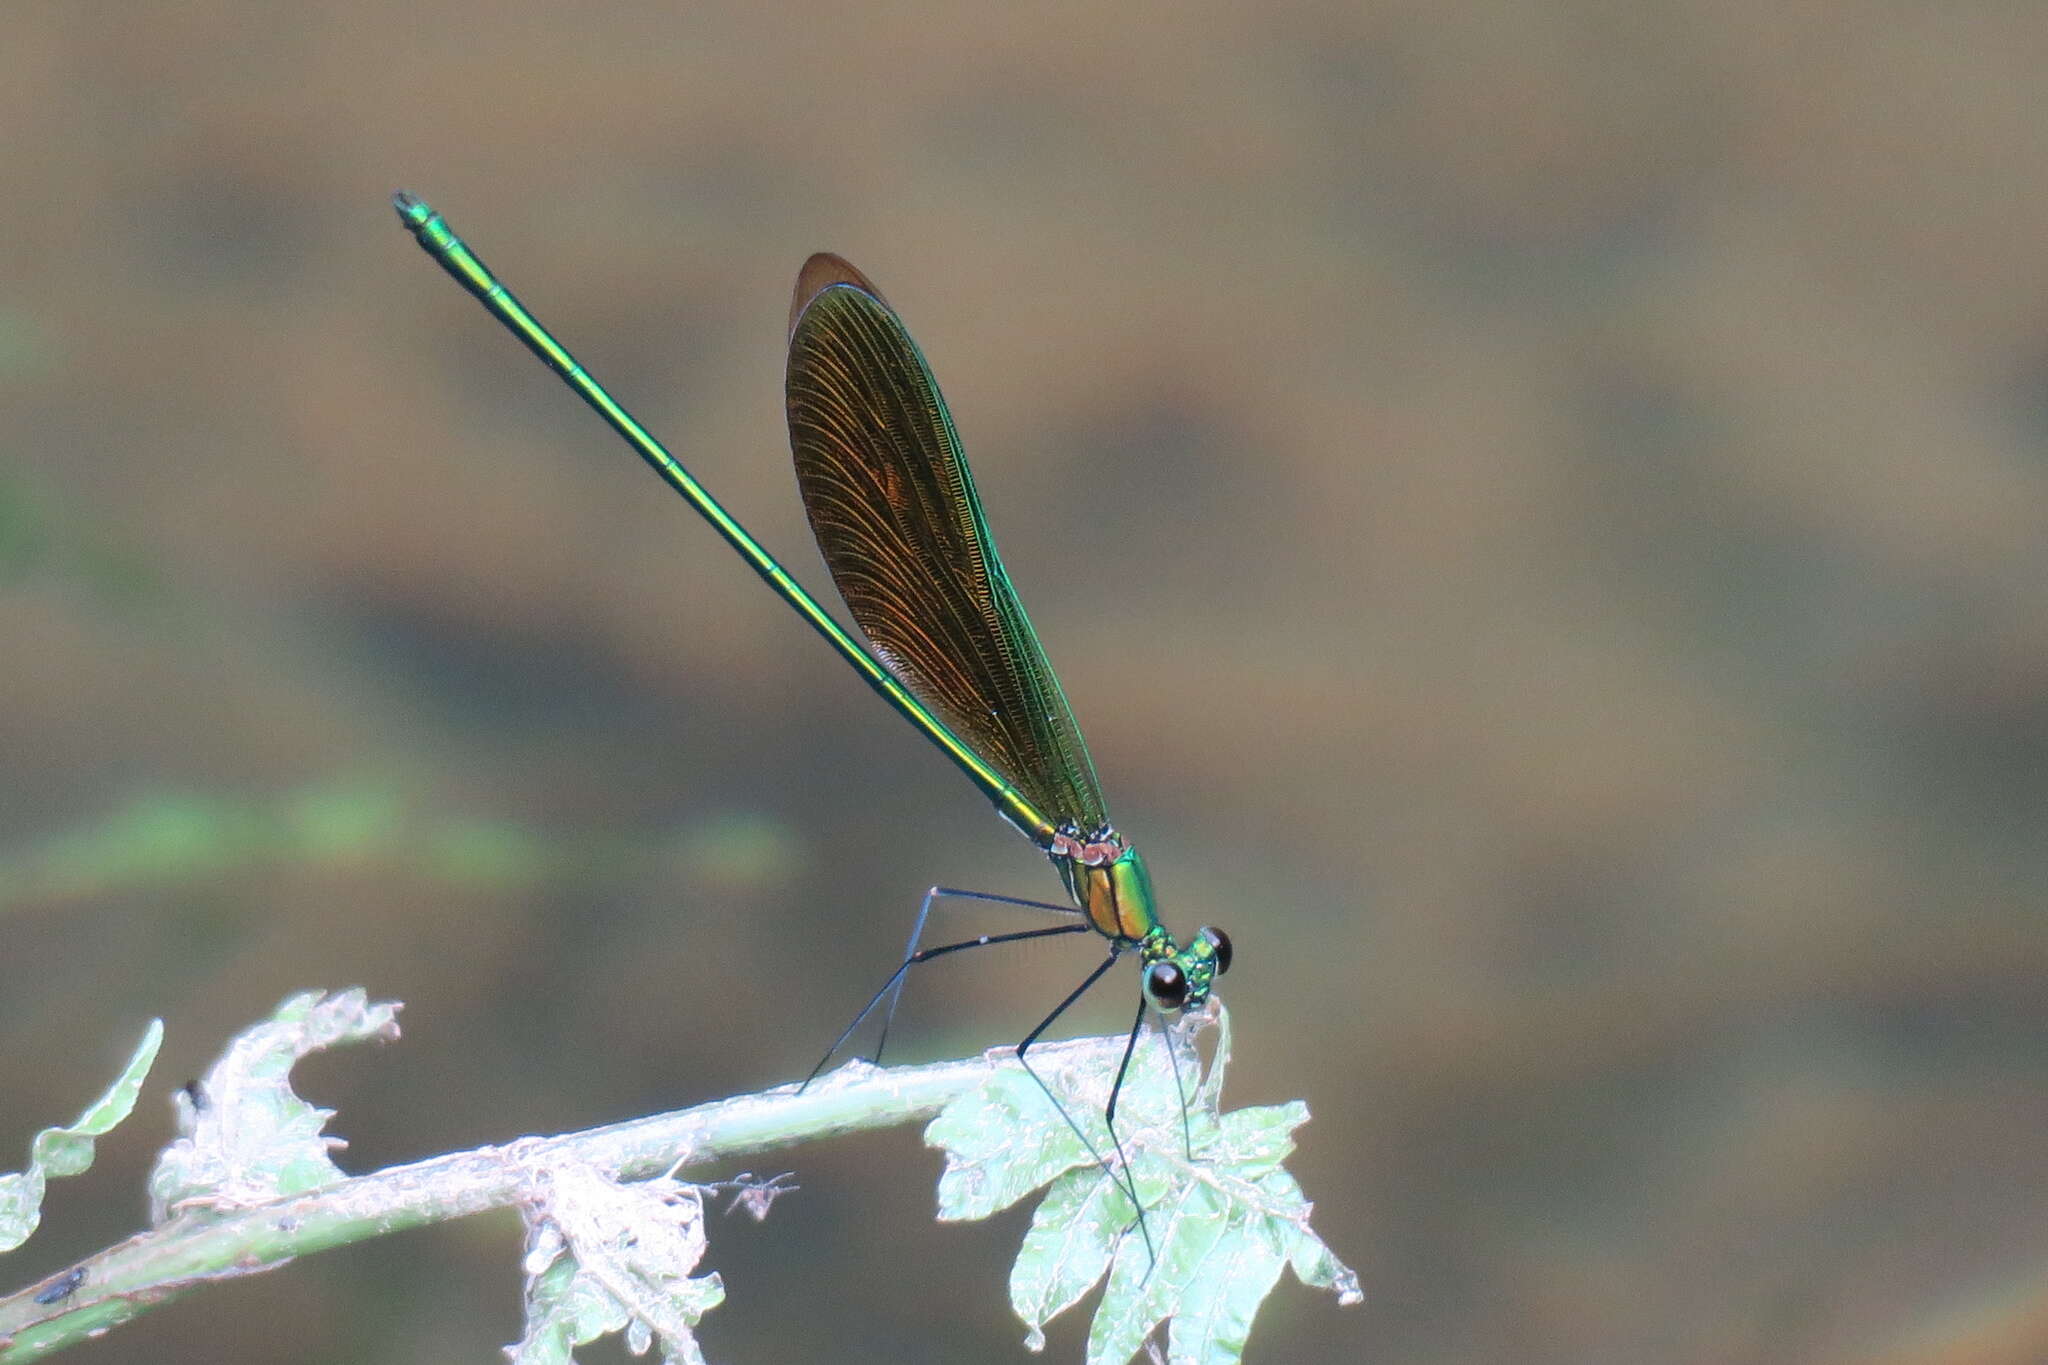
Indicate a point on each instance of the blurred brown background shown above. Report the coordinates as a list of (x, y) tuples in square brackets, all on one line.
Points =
[(1541, 509)]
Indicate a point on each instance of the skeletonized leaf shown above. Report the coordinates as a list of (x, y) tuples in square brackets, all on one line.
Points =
[(1221, 1216), (606, 1257), (58, 1152), (246, 1136)]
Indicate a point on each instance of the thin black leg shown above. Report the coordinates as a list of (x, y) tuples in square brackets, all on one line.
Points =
[(926, 955), (1116, 1091), (1073, 995), (1130, 1045), (1187, 1131), (1120, 1175), (936, 894)]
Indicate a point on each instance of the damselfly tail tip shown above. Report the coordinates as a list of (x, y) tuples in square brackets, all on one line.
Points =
[(412, 210)]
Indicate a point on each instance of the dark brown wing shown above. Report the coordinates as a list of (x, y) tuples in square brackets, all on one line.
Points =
[(896, 517)]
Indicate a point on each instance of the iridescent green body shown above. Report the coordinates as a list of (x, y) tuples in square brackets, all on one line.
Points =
[(901, 528)]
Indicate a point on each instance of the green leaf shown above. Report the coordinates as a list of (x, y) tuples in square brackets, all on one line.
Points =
[(1072, 1241), (1002, 1141), (245, 1136), (1221, 1216), (605, 1257), (58, 1152)]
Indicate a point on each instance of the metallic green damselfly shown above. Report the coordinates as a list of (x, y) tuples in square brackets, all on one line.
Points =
[(895, 513)]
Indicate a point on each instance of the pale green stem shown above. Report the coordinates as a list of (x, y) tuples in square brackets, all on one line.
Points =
[(203, 1244)]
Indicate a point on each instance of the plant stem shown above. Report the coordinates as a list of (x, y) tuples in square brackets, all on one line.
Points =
[(205, 1243)]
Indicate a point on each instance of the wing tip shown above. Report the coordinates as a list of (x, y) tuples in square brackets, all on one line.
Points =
[(821, 272)]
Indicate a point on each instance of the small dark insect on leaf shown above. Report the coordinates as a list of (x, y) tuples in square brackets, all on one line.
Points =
[(62, 1287)]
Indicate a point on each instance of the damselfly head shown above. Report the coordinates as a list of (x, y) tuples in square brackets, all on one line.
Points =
[(1179, 978)]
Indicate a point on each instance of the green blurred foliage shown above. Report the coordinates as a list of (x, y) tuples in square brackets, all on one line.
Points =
[(168, 839)]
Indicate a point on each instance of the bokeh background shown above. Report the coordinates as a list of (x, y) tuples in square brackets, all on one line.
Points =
[(1542, 511)]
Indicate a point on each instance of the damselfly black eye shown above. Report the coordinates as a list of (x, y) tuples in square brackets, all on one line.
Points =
[(1220, 943), (1167, 985)]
